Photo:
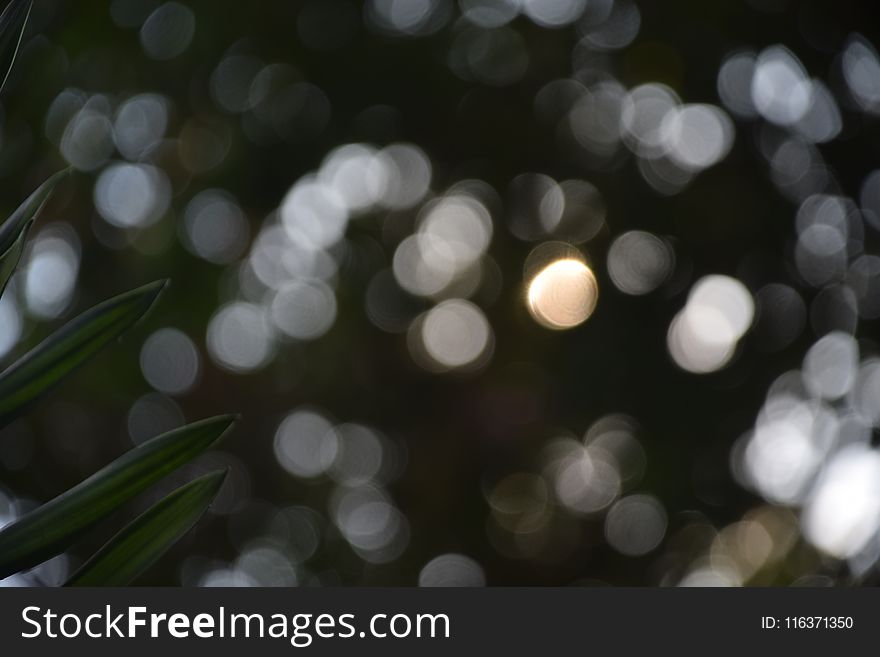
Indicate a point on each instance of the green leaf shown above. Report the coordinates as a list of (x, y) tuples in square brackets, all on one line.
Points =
[(12, 22), (53, 527), (140, 543), (18, 220), (73, 344), (13, 232), (9, 260)]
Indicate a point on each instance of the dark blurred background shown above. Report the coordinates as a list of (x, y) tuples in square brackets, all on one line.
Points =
[(386, 225)]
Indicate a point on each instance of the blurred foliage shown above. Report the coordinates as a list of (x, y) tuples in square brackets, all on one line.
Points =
[(251, 98)]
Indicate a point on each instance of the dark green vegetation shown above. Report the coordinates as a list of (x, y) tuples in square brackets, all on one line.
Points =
[(55, 526)]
